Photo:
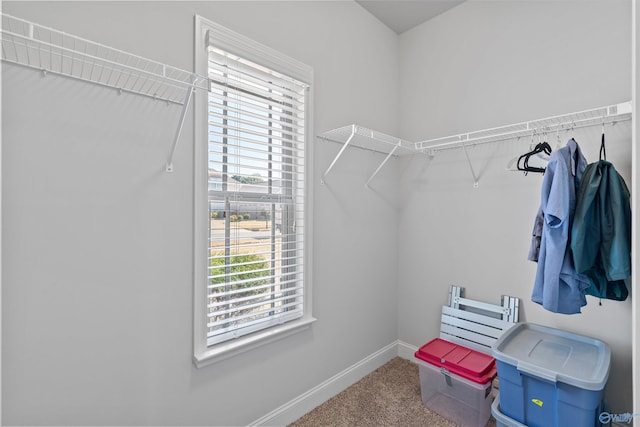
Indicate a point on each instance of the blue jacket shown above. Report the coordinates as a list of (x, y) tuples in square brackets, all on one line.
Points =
[(558, 287), (601, 231)]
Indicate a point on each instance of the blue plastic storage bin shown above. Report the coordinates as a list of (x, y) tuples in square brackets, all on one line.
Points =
[(501, 419), (550, 377)]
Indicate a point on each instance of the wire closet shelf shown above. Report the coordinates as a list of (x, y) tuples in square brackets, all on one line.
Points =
[(362, 137), (35, 46)]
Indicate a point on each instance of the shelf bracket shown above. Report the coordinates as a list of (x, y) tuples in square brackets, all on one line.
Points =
[(185, 107), (344, 147), (473, 173), (395, 147)]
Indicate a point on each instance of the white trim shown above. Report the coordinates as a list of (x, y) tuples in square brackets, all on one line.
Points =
[(297, 407), (236, 43), (406, 351), (232, 348), (200, 196), (206, 31)]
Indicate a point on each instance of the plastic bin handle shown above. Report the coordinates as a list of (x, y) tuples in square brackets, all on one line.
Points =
[(537, 371), (447, 375)]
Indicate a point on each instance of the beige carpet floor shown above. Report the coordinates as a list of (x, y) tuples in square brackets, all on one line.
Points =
[(389, 396)]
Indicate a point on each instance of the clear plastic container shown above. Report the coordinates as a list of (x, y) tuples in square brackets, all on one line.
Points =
[(456, 382)]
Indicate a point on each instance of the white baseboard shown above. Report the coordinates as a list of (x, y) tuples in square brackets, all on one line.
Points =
[(406, 351), (294, 409)]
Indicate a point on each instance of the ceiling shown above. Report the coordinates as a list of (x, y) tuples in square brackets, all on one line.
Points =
[(402, 15)]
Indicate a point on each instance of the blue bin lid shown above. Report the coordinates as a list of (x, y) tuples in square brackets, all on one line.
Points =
[(555, 355)]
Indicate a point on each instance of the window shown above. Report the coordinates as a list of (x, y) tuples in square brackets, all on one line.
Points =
[(251, 268)]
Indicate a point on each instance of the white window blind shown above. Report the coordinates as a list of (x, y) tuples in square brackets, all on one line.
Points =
[(256, 140)]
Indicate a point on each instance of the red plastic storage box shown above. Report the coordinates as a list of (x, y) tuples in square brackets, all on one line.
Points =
[(455, 382)]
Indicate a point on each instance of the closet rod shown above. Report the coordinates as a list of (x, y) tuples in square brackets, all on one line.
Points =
[(46, 72), (361, 137), (593, 117), (49, 50), (31, 45)]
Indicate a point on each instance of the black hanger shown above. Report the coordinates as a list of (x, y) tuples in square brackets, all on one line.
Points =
[(603, 151), (539, 148)]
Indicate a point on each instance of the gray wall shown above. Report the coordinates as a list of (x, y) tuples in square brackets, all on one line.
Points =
[(97, 278), (97, 241), (492, 63)]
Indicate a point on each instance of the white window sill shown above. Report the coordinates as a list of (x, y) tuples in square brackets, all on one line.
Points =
[(232, 348)]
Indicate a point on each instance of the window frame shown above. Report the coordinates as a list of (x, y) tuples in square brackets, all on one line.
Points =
[(242, 46)]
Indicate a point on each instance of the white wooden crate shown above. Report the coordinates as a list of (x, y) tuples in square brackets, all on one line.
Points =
[(475, 324)]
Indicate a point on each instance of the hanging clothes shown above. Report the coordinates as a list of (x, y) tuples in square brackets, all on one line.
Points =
[(558, 286), (536, 236), (601, 231)]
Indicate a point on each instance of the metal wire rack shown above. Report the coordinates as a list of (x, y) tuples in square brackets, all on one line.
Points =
[(361, 137), (593, 117), (51, 51)]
